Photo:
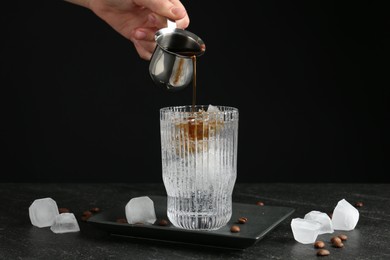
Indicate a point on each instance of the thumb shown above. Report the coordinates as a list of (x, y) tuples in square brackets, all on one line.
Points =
[(173, 10)]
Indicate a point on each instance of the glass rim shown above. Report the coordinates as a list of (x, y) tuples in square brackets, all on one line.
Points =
[(173, 108)]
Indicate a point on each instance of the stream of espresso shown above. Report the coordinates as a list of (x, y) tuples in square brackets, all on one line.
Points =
[(191, 54)]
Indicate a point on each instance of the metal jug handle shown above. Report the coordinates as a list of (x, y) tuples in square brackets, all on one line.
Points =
[(171, 24)]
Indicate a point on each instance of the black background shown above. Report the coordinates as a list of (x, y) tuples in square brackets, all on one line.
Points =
[(310, 80)]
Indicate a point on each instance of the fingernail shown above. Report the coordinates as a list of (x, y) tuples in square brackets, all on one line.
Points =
[(178, 11), (140, 35)]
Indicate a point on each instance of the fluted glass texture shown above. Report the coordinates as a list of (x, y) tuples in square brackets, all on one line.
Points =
[(199, 164)]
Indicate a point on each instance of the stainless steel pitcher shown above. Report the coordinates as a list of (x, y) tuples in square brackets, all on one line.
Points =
[(171, 66)]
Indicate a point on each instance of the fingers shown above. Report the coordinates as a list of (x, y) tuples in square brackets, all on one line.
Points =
[(144, 42), (160, 11), (143, 38), (144, 48), (144, 34), (157, 21), (172, 9), (184, 22), (178, 10)]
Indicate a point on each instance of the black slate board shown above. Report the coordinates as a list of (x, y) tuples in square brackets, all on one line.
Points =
[(261, 220)]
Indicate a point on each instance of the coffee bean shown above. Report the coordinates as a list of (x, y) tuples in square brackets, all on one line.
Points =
[(323, 252), (163, 222), (84, 218), (63, 210), (359, 204), (343, 237), (335, 240), (121, 220), (235, 229), (95, 210), (242, 220), (86, 215), (260, 203), (338, 245), (319, 244)]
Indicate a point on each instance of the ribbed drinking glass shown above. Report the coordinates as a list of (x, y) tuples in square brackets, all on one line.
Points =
[(199, 164)]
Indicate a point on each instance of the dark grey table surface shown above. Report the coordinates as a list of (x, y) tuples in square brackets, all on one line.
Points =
[(20, 240)]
